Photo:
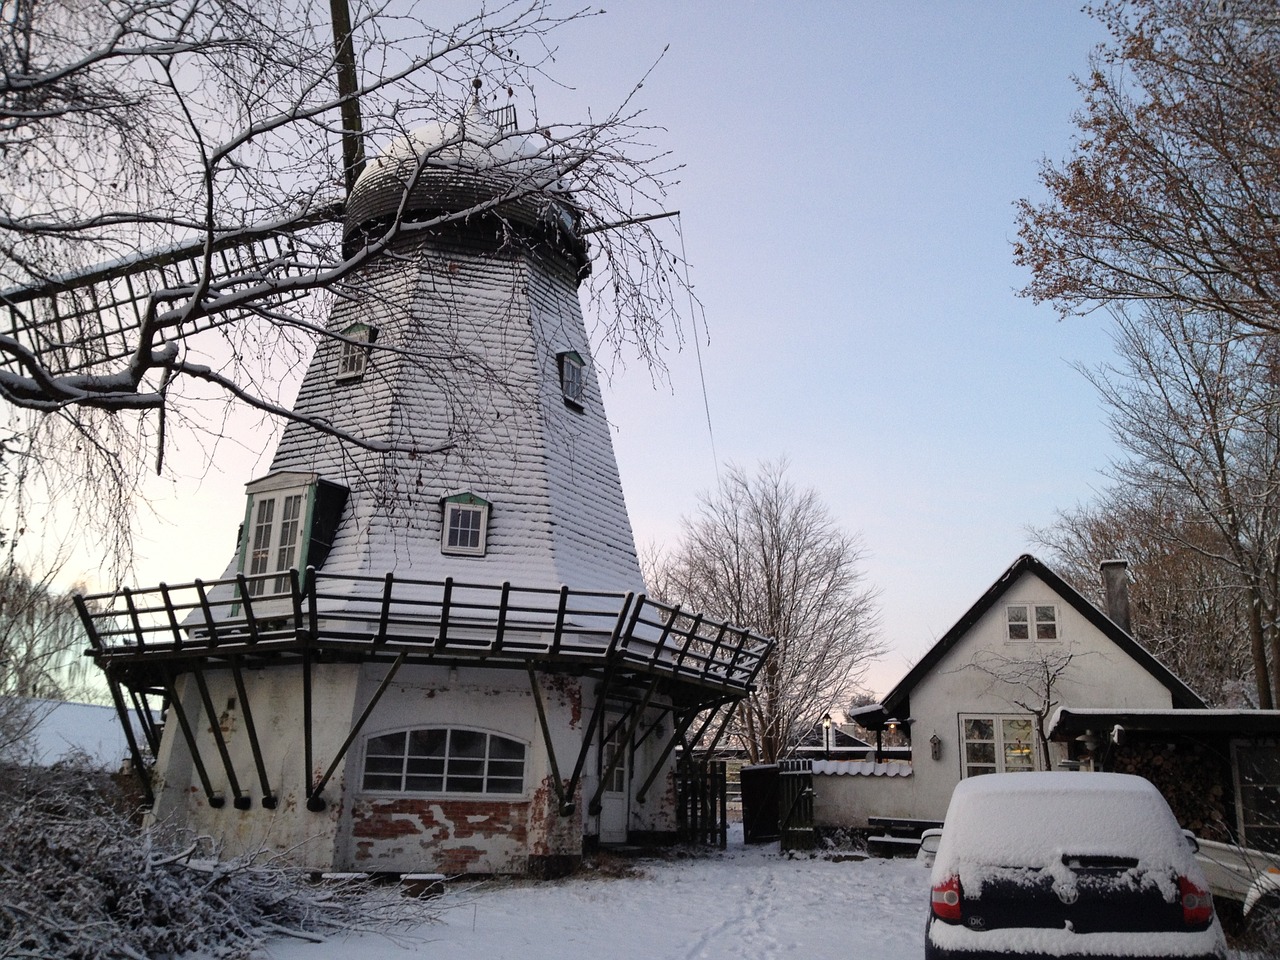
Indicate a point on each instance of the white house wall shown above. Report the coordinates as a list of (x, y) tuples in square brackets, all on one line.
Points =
[(306, 838), (1100, 674)]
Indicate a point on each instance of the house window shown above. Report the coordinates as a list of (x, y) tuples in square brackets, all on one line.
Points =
[(1257, 772), (354, 355), (465, 527), (276, 539), (998, 745), (571, 378), (1027, 621), (444, 760)]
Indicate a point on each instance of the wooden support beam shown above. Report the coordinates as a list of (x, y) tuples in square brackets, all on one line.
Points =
[(566, 803), (638, 712), (135, 755), (558, 633), (174, 627), (208, 613), (241, 800), (86, 618), (501, 628), (175, 705), (133, 617), (678, 729), (315, 802), (442, 637), (269, 798), (356, 728), (384, 615), (242, 585)]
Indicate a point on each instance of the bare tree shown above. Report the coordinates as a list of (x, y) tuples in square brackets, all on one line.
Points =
[(1196, 404), (171, 207), (771, 558), (1029, 683), (1171, 194), (1187, 606)]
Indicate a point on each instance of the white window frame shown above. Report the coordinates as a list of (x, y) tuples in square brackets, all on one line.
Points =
[(353, 356), (451, 529), (573, 377), (277, 527), (1003, 746), (1038, 620), (433, 771)]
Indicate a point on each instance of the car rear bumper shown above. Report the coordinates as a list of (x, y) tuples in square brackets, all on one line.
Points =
[(945, 941)]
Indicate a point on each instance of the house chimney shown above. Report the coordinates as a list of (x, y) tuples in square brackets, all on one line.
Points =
[(1115, 587)]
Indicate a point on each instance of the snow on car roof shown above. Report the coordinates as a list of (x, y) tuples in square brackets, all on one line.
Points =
[(1035, 819)]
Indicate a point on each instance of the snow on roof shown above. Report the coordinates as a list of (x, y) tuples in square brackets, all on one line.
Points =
[(861, 768), (60, 729)]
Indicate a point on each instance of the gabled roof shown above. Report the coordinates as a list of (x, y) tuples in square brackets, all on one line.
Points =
[(897, 704)]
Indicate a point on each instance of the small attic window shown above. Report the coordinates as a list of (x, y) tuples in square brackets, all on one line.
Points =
[(571, 377), (354, 356), (465, 527)]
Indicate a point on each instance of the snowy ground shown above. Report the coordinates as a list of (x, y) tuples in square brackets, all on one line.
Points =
[(746, 903)]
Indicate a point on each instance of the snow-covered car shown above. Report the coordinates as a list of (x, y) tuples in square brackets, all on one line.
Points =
[(1067, 865)]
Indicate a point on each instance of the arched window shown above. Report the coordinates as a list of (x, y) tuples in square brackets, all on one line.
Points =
[(444, 760)]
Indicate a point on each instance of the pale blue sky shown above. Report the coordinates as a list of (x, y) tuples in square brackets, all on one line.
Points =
[(847, 204)]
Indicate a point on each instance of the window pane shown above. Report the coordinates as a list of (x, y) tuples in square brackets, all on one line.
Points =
[(1017, 614), (433, 766), (466, 743), (425, 784), (1046, 623), (388, 744), (502, 748), (1017, 727), (465, 768), (384, 765), (506, 768), (381, 782), (466, 784), (427, 743), (980, 753), (979, 728), (505, 786)]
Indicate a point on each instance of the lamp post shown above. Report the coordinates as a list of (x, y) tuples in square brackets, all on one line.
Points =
[(826, 736)]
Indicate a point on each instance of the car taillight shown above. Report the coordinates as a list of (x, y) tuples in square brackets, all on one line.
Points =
[(946, 900), (1197, 904)]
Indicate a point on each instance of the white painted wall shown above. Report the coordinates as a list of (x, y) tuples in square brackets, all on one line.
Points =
[(1100, 675)]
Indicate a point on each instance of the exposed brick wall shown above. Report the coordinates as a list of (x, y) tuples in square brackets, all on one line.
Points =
[(446, 836)]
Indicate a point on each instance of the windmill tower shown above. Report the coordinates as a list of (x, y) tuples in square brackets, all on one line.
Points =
[(434, 652)]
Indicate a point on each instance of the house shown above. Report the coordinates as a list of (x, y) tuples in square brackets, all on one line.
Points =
[(980, 700), (433, 652)]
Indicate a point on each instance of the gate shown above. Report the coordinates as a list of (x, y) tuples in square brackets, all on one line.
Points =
[(795, 805), (702, 816)]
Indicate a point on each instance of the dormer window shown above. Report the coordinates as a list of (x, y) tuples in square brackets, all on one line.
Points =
[(465, 527), (290, 522), (571, 378), (354, 355)]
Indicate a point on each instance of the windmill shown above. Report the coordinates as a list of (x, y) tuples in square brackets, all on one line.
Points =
[(428, 662)]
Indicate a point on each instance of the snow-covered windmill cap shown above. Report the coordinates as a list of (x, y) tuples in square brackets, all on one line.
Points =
[(456, 165)]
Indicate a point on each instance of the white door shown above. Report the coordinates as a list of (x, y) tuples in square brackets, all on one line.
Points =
[(614, 804)]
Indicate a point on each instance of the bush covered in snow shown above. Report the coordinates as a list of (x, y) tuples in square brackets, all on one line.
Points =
[(80, 880)]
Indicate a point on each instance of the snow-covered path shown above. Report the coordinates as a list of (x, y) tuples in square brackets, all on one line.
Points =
[(745, 904)]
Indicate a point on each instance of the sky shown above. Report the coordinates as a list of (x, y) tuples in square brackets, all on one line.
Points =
[(846, 196)]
